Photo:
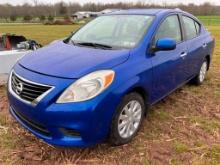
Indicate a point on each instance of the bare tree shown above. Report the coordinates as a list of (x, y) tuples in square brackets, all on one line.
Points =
[(38, 9), (5, 12), (35, 2)]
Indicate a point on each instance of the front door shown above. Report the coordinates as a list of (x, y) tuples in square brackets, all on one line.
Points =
[(169, 67)]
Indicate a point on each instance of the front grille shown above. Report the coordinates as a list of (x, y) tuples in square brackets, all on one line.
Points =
[(27, 90), (33, 125)]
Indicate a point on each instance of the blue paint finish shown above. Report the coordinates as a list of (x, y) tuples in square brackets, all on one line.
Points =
[(165, 44), (59, 65), (168, 72), (60, 55)]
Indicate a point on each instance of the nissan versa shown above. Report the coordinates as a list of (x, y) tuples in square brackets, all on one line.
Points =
[(98, 83)]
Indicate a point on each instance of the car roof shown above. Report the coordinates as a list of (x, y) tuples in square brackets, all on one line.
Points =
[(145, 11)]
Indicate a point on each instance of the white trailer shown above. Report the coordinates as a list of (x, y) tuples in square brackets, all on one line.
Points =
[(8, 60)]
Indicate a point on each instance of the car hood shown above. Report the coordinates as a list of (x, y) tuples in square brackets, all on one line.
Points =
[(68, 61)]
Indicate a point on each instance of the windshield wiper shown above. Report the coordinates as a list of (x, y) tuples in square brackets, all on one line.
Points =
[(96, 45)]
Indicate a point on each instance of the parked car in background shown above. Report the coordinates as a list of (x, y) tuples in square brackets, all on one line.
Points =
[(100, 82), (81, 15), (17, 42), (89, 14), (10, 41), (107, 11), (12, 48)]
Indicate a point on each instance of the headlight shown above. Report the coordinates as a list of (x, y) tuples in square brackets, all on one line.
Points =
[(87, 87)]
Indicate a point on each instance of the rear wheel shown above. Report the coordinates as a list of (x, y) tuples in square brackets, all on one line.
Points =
[(127, 119), (199, 79)]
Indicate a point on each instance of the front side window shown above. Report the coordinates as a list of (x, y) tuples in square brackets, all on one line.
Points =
[(190, 27), (124, 31), (170, 28)]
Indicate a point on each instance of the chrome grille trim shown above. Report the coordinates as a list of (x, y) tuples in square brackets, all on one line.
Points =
[(32, 92)]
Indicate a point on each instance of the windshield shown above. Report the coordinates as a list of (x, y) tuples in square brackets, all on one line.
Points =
[(115, 31)]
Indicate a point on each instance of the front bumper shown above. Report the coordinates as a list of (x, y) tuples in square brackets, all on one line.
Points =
[(72, 124), (51, 127)]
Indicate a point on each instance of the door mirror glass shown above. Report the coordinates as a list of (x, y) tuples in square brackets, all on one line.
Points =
[(165, 44)]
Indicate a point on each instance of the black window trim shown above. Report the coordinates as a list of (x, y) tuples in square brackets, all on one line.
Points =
[(198, 32)]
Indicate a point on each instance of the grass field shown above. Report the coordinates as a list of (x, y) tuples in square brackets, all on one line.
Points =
[(207, 20), (41, 33), (210, 20), (183, 128)]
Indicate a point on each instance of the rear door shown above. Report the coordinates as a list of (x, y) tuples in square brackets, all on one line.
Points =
[(169, 66), (196, 45)]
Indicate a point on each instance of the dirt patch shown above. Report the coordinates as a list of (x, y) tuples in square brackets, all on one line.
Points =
[(3, 79), (183, 128)]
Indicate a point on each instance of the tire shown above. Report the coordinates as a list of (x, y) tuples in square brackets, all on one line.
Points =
[(128, 116), (199, 79)]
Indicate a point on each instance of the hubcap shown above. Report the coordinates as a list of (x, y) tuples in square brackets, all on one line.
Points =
[(129, 119), (203, 71)]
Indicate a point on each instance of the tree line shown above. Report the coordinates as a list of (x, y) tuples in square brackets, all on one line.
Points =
[(49, 11)]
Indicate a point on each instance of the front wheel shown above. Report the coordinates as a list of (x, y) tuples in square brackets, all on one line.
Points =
[(199, 79), (127, 119)]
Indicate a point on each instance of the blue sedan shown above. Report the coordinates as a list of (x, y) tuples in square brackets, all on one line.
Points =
[(99, 82)]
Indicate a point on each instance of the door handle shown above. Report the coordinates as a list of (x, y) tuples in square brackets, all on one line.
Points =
[(204, 45), (183, 54)]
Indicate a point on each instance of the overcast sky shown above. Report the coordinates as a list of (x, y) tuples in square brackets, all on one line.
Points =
[(15, 2)]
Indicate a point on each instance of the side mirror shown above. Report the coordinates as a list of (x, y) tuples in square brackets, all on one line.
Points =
[(165, 44)]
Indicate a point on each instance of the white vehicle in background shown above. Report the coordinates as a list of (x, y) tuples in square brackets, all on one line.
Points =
[(12, 48), (9, 58), (91, 14), (109, 11)]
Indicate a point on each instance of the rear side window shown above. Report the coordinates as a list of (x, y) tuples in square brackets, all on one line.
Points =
[(197, 28), (192, 28), (170, 28)]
